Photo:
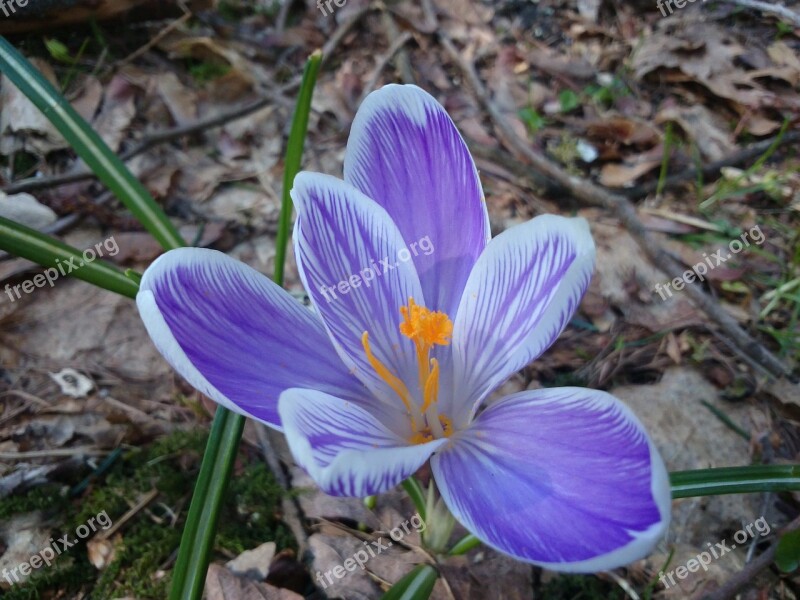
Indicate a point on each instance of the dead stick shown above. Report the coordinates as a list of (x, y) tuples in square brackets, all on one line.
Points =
[(746, 575), (625, 211), (768, 7), (712, 169), (380, 65), (167, 135)]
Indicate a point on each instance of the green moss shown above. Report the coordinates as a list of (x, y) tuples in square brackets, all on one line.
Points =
[(203, 71), (251, 516)]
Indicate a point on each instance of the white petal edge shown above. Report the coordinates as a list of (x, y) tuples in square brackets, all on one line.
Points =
[(359, 468)]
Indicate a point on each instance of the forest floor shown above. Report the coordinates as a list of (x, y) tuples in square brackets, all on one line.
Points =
[(674, 135)]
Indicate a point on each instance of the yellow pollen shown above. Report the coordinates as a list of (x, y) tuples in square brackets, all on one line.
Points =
[(426, 328), (426, 435)]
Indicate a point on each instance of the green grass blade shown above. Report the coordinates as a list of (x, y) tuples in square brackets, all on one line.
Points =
[(417, 495), (735, 480), (294, 156), (188, 577), (416, 585), (197, 541), (28, 243), (464, 545), (88, 144)]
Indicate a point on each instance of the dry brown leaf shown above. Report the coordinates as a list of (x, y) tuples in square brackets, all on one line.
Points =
[(708, 129), (90, 95), (25, 209), (706, 53), (622, 174), (117, 112), (102, 551), (253, 564), (22, 125), (221, 584), (211, 49), (180, 100)]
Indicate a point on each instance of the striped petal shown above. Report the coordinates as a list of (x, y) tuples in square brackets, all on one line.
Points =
[(348, 254), (565, 478), (344, 448), (521, 294), (236, 336), (405, 153)]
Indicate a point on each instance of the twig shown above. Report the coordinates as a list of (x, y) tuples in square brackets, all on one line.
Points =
[(155, 39), (394, 48), (775, 9), (167, 135), (592, 194), (746, 575), (403, 63), (77, 451), (153, 139), (146, 499), (292, 513), (283, 15), (712, 169)]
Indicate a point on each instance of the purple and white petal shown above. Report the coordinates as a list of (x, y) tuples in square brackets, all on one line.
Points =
[(405, 153), (235, 335), (521, 294), (347, 254), (565, 478), (344, 448)]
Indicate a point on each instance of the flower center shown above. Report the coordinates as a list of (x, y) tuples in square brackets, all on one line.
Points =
[(426, 328)]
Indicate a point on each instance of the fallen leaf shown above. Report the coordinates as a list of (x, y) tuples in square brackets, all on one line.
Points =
[(27, 210), (221, 584)]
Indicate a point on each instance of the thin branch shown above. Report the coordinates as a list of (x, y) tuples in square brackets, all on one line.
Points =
[(217, 120), (778, 10), (394, 48), (403, 63), (713, 169), (592, 194), (731, 587)]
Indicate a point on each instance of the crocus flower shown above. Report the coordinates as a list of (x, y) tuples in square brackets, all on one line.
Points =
[(419, 317)]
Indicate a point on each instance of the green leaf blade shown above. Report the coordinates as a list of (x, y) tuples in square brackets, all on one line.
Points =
[(416, 585)]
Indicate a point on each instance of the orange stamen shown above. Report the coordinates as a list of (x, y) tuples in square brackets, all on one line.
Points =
[(392, 381), (426, 328)]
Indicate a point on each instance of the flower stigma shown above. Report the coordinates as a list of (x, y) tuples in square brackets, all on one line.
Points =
[(426, 328)]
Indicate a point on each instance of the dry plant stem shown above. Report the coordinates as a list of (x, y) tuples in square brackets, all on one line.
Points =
[(778, 10), (746, 575), (731, 587), (403, 63), (168, 135), (157, 38), (292, 513), (143, 501), (591, 194), (283, 15), (78, 451), (396, 46), (712, 169)]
